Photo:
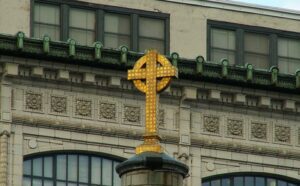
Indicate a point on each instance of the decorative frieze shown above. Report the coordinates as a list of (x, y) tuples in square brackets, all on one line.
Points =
[(59, 104), (235, 127), (259, 131), (107, 111), (132, 114), (83, 108), (211, 124), (282, 134), (33, 101)]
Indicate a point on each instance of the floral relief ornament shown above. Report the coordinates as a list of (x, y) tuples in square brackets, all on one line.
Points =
[(107, 111), (33, 101), (235, 127), (58, 104), (132, 114), (259, 131), (282, 134), (211, 124), (83, 108)]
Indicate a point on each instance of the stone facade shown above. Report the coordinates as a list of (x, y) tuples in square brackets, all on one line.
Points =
[(211, 127)]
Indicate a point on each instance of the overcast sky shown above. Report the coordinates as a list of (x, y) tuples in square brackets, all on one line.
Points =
[(287, 4)]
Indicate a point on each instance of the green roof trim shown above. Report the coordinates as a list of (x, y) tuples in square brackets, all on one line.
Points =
[(122, 59)]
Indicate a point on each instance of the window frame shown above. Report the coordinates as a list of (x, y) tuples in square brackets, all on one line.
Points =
[(255, 175), (54, 155), (100, 10), (240, 30)]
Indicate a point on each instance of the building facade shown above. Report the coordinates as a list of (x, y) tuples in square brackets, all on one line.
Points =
[(68, 114)]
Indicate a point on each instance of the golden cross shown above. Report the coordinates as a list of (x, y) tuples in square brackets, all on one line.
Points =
[(151, 74)]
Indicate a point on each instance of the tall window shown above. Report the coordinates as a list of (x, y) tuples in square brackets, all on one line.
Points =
[(288, 55), (114, 27), (82, 26), (261, 47), (223, 45), (46, 21), (116, 30), (257, 50), (70, 170), (249, 180), (151, 34)]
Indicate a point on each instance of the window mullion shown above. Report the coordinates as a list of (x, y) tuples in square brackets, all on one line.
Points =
[(64, 18), (239, 56), (134, 32), (31, 18), (167, 37), (100, 25), (273, 50)]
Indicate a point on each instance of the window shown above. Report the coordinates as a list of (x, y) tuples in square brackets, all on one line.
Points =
[(261, 47), (223, 45), (46, 21), (257, 50), (113, 26), (288, 55), (116, 30), (70, 169), (82, 26), (151, 34), (248, 180)]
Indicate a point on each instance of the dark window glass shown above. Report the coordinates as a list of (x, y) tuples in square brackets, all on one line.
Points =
[(257, 50), (238, 181), (288, 55), (86, 25), (247, 181), (71, 170), (226, 182), (46, 21), (223, 45), (82, 26), (116, 30), (151, 34)]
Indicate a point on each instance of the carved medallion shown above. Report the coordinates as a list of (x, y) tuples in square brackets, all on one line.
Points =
[(161, 118), (33, 101), (107, 111), (211, 124), (58, 104), (259, 131), (83, 108), (235, 127), (132, 114), (282, 134)]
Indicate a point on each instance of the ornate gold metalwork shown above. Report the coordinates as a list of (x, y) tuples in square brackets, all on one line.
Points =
[(151, 74)]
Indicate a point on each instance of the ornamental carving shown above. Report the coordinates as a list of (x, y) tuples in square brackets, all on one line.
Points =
[(107, 111), (259, 131), (161, 118), (132, 114), (211, 124), (58, 104), (33, 101), (235, 127), (83, 108), (282, 134)]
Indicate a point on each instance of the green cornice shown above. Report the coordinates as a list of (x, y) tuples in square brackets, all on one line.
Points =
[(121, 59)]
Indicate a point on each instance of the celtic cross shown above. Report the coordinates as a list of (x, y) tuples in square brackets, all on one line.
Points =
[(151, 74)]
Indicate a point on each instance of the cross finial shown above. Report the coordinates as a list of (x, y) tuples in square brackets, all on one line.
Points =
[(151, 74)]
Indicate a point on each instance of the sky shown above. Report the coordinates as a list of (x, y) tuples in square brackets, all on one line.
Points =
[(286, 4)]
